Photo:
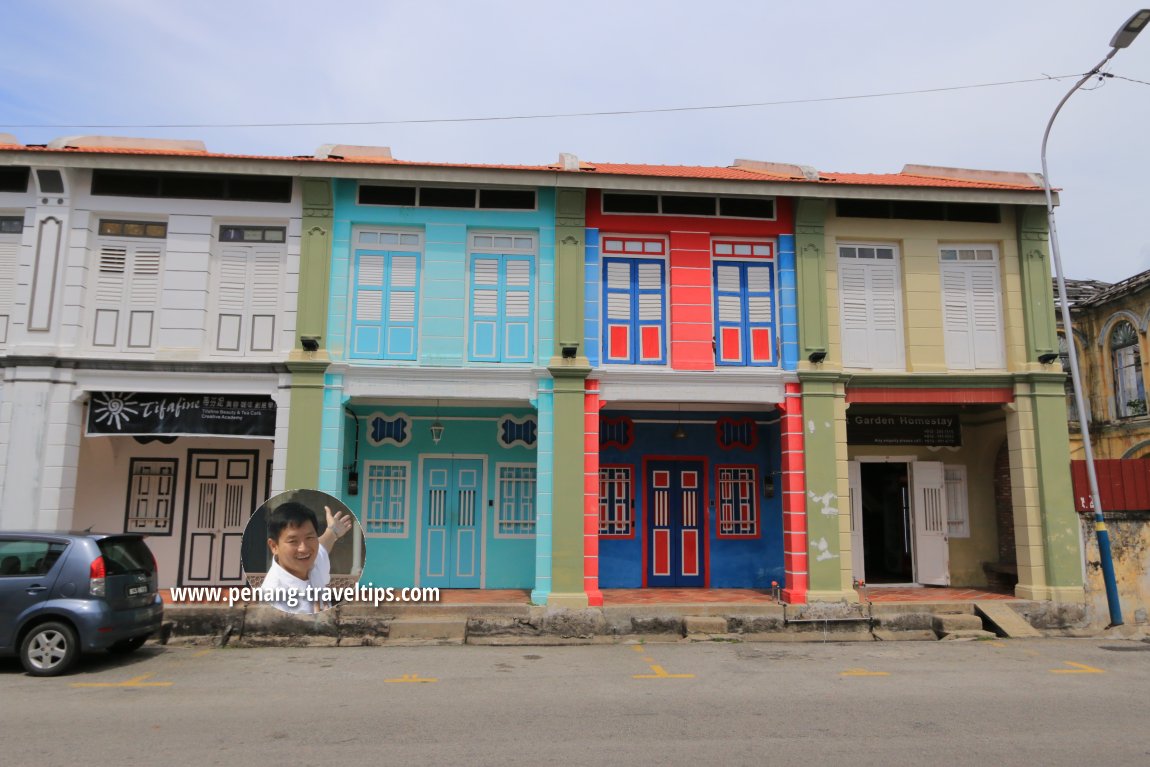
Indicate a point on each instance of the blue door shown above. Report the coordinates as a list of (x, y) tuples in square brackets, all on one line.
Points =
[(452, 526), (676, 523)]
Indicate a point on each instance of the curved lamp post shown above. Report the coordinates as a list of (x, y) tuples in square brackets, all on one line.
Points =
[(1122, 39)]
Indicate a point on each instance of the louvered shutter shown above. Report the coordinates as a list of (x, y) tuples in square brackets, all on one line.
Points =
[(986, 316), (618, 310), (886, 343), (9, 259), (143, 294), (956, 320), (111, 278), (367, 320), (854, 314), (403, 286), (231, 297), (485, 291), (267, 269), (518, 302), (729, 325), (651, 299), (760, 314)]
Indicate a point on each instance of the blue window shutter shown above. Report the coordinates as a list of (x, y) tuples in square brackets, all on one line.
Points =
[(502, 308), (402, 306), (634, 311), (759, 280), (744, 313), (367, 314)]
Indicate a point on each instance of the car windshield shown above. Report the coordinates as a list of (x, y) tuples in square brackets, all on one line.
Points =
[(126, 555)]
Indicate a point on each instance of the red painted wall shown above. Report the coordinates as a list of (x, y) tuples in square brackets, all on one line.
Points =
[(689, 267)]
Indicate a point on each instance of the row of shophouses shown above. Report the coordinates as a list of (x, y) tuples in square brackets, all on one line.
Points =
[(561, 378)]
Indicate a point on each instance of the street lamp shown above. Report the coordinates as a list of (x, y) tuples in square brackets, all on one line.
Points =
[(1122, 39)]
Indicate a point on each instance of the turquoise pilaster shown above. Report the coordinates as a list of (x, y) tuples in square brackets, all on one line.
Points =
[(544, 485), (788, 302)]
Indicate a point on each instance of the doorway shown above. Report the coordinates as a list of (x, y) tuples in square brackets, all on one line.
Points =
[(676, 523), (452, 522), (886, 538)]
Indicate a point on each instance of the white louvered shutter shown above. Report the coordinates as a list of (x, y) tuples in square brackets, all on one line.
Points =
[(956, 320), (854, 314), (886, 317), (143, 294), (986, 314), (267, 271), (111, 278), (619, 290), (729, 289), (9, 259), (231, 297)]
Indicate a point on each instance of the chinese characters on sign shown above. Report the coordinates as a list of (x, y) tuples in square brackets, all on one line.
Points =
[(221, 415)]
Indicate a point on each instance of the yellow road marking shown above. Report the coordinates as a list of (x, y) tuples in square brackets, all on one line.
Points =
[(649, 660), (997, 644), (1079, 668), (413, 679), (136, 681), (201, 653), (863, 672), (637, 648), (661, 673)]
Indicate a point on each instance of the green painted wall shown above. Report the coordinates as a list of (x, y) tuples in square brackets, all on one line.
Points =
[(1034, 268), (305, 420), (810, 240), (567, 585), (824, 453)]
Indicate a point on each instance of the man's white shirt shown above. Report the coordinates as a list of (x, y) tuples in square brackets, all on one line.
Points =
[(280, 580)]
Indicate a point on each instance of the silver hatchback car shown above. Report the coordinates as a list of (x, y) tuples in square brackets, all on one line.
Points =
[(62, 594)]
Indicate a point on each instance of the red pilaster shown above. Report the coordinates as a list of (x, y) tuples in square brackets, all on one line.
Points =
[(794, 498), (591, 494)]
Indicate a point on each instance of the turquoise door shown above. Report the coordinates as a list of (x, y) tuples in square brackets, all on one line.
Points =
[(452, 523)]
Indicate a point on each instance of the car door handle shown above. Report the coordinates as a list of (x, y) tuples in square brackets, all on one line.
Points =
[(36, 588)]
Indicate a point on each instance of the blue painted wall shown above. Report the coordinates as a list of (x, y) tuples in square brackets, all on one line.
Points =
[(733, 563)]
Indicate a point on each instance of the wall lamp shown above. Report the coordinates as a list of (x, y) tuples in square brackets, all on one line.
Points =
[(569, 351), (1048, 358), (309, 343), (817, 357)]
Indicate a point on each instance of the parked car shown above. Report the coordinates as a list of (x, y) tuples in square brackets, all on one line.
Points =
[(63, 594)]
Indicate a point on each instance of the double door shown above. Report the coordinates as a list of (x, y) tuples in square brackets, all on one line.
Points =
[(453, 531), (676, 523), (221, 497)]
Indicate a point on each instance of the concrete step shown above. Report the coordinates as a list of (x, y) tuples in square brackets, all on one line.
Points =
[(704, 624), (443, 629), (1005, 620), (948, 624)]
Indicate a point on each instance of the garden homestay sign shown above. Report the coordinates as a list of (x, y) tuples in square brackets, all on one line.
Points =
[(188, 415), (895, 429)]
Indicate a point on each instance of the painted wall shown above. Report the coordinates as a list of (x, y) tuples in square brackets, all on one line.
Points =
[(1130, 551), (102, 486), (732, 563), (444, 279), (689, 278), (509, 562)]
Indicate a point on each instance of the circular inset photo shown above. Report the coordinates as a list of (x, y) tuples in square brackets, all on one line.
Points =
[(303, 549)]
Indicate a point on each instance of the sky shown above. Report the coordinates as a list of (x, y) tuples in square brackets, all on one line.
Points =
[(143, 63)]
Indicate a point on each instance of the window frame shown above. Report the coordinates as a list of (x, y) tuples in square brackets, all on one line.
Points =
[(968, 268), (499, 521), (504, 255), (408, 486), (131, 498), (756, 513), (630, 506), (387, 251), (634, 260), (1122, 397), (131, 244), (899, 364), (746, 327)]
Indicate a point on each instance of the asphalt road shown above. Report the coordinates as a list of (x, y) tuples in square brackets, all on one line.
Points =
[(1008, 702)]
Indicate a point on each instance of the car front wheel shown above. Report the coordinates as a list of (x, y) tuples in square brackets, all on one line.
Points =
[(49, 649)]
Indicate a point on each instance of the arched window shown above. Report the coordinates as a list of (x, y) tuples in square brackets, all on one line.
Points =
[(1129, 390)]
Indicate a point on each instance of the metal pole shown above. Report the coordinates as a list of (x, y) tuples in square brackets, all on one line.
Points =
[(1103, 535)]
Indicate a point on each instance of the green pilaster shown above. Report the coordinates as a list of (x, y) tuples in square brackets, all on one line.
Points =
[(307, 368), (567, 577), (1060, 524), (825, 459), (810, 246), (1034, 268)]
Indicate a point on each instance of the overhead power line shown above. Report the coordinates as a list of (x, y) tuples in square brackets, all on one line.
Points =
[(555, 115)]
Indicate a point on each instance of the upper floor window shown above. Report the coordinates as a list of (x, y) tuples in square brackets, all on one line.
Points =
[(1129, 390), (744, 303), (972, 308), (870, 307), (447, 197), (634, 300), (689, 205), (129, 260), (191, 186), (385, 289), (14, 179), (11, 227), (248, 287), (502, 298)]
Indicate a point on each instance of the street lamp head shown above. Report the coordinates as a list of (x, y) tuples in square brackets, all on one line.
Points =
[(1124, 36)]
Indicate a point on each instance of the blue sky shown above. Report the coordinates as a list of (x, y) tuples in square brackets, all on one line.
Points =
[(145, 62)]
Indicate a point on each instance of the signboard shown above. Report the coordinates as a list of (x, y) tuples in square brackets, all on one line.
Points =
[(891, 429), (187, 415)]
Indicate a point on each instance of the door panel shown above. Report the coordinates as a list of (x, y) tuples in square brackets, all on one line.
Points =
[(858, 560), (931, 547), (221, 497), (676, 523), (452, 509)]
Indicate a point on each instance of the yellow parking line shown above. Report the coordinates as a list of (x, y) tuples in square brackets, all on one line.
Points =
[(661, 673), (412, 679), (1078, 668), (136, 681), (863, 672)]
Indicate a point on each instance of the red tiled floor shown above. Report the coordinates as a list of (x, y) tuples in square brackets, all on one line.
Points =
[(929, 594), (684, 596)]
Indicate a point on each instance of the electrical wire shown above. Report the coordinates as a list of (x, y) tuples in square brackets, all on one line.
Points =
[(555, 115)]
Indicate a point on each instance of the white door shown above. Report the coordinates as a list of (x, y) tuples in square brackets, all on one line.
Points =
[(931, 550), (221, 496), (858, 563)]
